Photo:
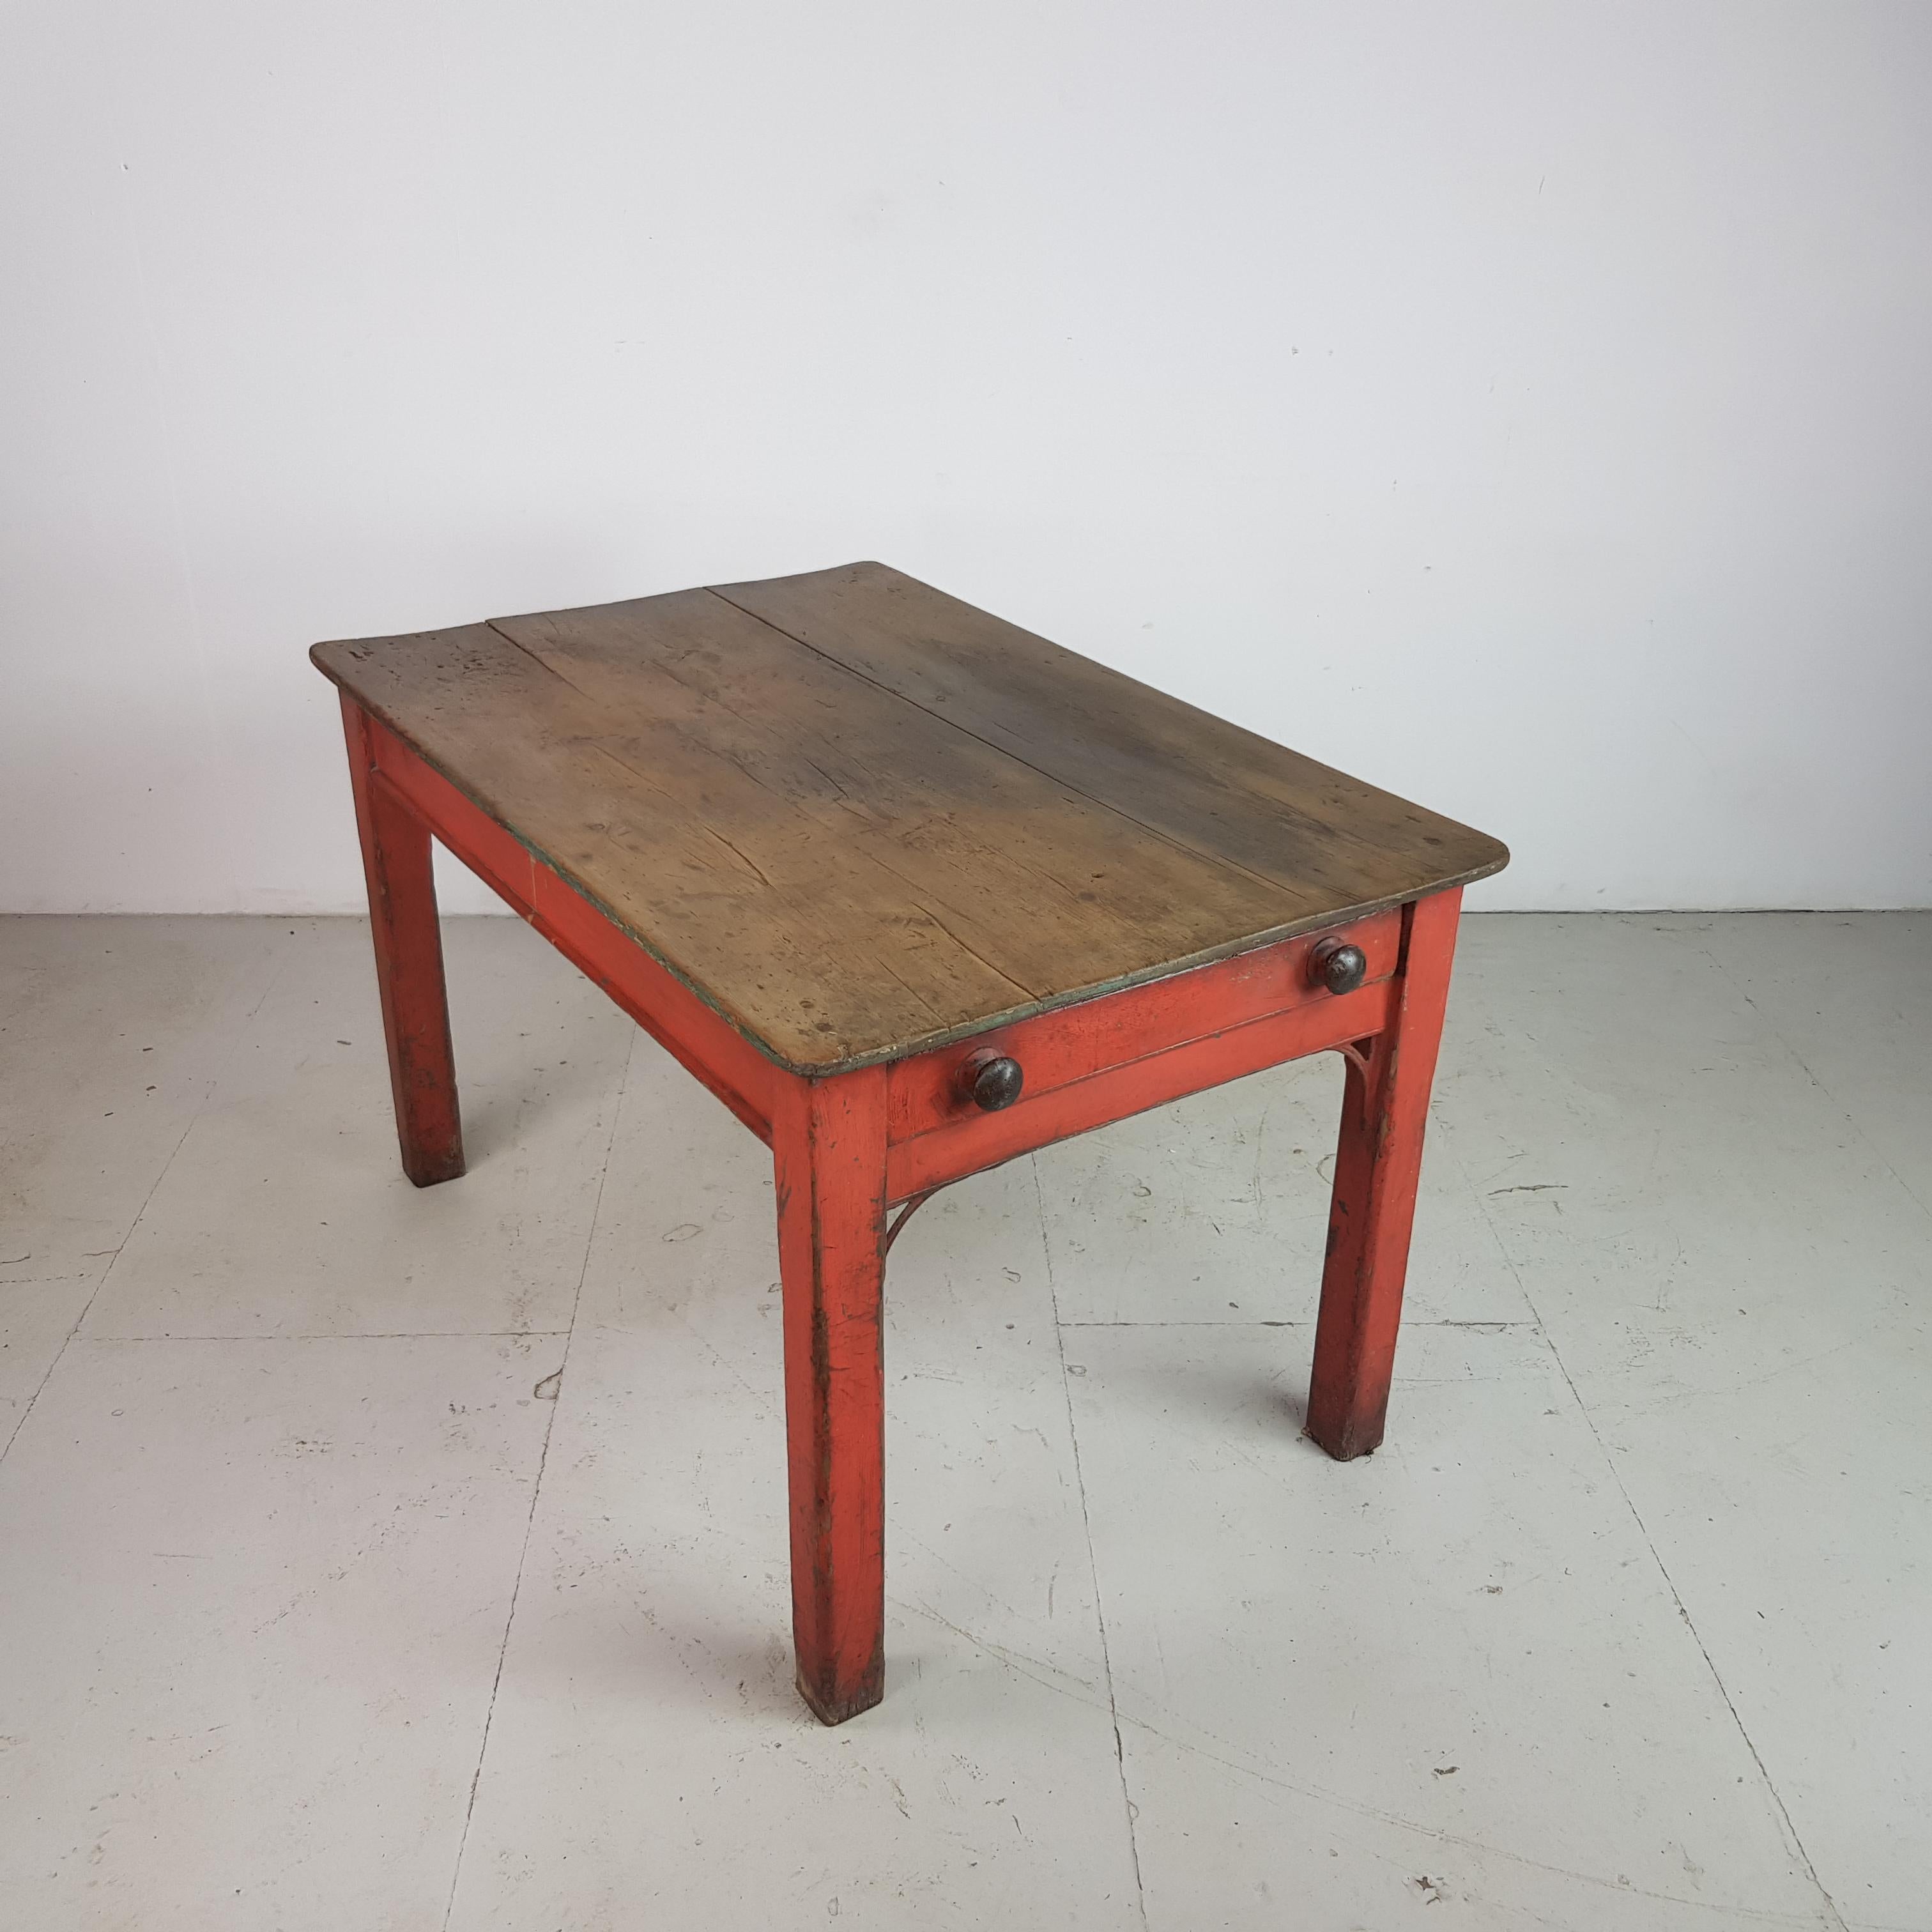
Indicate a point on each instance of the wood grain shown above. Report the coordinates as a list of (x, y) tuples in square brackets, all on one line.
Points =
[(861, 819), (1209, 784)]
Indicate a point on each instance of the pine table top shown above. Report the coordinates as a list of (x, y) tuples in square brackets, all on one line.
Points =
[(861, 818)]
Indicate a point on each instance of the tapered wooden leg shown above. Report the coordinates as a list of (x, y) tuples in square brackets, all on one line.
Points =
[(409, 967), (828, 1142), (1385, 1110)]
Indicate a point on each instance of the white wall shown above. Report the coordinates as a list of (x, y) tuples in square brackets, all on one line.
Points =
[(1527, 407)]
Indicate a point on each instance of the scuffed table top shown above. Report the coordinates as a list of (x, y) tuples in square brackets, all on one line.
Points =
[(861, 818)]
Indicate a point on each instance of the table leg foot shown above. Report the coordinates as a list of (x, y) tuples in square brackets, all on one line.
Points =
[(829, 1145), (845, 1704), (1385, 1110)]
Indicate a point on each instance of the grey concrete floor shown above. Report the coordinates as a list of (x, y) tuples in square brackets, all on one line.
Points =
[(381, 1559)]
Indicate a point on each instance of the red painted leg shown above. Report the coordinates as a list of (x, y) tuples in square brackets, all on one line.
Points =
[(409, 967), (1385, 1110), (829, 1141)]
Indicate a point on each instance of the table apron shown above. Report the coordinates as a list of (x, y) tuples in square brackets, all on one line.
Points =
[(705, 1044), (964, 1147), (1125, 1051), (1110, 1030)]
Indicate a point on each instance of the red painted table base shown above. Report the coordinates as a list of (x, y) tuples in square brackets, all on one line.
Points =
[(849, 1146)]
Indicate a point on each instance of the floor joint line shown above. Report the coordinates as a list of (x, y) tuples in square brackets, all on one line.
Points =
[(114, 1254), (536, 1484), (1093, 1561), (1670, 1582), (1804, 1065)]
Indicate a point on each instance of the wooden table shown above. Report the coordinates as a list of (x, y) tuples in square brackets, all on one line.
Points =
[(912, 892)]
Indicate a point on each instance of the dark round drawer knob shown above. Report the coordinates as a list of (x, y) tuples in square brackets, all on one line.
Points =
[(1340, 966), (990, 1080)]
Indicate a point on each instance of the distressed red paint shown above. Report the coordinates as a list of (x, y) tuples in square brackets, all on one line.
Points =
[(848, 1146), (408, 965), (1385, 1111)]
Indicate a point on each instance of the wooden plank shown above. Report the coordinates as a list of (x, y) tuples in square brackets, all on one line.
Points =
[(1196, 777)]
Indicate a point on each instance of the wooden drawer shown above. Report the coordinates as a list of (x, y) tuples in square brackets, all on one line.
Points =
[(1056, 1049)]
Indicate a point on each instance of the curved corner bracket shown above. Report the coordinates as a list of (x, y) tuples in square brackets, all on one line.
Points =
[(904, 1215), (1356, 1052)]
